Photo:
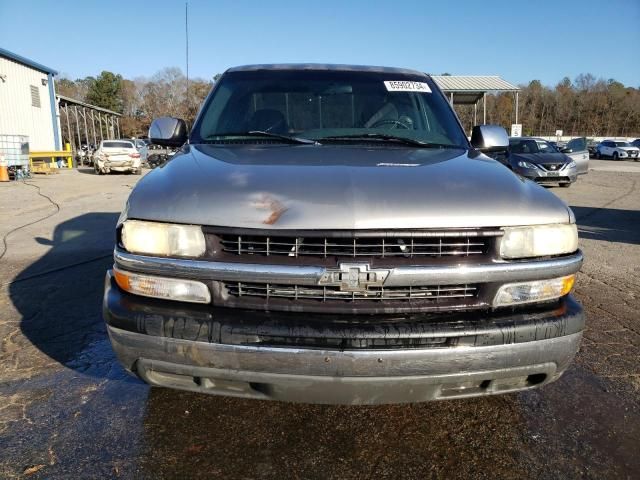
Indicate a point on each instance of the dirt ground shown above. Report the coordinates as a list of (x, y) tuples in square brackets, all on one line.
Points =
[(68, 410)]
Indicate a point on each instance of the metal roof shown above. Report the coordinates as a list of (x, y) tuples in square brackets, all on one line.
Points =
[(473, 83), (469, 89), (325, 66), (73, 101), (25, 61)]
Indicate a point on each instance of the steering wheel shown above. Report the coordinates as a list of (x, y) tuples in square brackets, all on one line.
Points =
[(394, 123)]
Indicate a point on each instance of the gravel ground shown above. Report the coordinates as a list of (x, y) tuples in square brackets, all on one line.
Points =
[(67, 409)]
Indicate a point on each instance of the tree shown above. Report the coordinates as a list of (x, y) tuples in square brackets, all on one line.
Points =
[(106, 92), (585, 106), (66, 87)]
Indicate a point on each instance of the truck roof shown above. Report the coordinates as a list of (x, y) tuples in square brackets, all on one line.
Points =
[(325, 66)]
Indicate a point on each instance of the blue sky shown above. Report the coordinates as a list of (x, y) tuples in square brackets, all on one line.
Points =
[(518, 40)]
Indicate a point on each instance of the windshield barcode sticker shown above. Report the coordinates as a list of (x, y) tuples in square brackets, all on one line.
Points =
[(406, 86)]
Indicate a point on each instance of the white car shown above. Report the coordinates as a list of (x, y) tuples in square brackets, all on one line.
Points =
[(117, 156), (617, 150)]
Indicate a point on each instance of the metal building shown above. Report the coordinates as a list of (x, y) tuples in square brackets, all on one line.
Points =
[(28, 102), (83, 123), (470, 89)]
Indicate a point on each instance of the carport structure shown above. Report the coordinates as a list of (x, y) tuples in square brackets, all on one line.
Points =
[(79, 119), (470, 89)]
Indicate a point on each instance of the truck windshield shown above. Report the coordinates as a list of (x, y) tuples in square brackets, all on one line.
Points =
[(327, 105)]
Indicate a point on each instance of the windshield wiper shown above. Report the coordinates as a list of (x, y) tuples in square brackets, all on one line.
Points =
[(263, 133), (391, 138)]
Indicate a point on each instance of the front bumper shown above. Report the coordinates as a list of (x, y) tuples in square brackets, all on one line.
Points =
[(338, 359), (543, 176), (117, 166)]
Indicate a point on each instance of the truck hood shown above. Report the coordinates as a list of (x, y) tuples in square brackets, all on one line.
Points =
[(339, 187)]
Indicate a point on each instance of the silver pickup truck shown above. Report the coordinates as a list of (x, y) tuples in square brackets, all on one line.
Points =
[(328, 234)]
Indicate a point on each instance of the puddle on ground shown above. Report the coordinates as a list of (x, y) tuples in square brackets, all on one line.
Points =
[(77, 422)]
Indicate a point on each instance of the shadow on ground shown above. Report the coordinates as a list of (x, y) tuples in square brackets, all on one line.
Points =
[(59, 296), (608, 224), (91, 171)]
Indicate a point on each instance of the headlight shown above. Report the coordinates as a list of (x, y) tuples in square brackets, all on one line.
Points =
[(163, 239), (536, 291), (571, 164), (539, 241), (524, 164)]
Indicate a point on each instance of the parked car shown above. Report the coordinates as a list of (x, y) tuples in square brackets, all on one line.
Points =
[(84, 155), (117, 156), (160, 158), (617, 150), (557, 145), (577, 149), (636, 143), (592, 146), (328, 234), (536, 159), (143, 149)]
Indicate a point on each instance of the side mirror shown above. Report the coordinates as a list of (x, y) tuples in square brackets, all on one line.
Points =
[(489, 138), (168, 131)]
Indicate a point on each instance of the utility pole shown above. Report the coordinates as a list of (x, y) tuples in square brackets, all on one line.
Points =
[(186, 34)]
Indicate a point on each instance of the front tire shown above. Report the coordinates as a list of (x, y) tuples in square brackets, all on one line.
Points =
[(565, 185), (598, 155)]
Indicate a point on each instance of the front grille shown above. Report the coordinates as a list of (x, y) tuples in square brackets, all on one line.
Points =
[(402, 244), (552, 179), (331, 299), (331, 248), (553, 166), (434, 294)]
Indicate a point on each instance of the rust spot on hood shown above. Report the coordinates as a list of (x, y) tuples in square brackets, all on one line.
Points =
[(276, 208)]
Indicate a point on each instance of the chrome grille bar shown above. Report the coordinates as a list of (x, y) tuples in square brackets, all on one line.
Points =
[(429, 245), (328, 293)]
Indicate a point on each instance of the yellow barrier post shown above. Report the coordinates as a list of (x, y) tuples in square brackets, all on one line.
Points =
[(67, 148)]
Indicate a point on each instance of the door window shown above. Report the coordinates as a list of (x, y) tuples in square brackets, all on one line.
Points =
[(577, 144)]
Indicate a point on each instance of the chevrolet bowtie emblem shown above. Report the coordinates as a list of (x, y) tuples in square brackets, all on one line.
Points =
[(354, 277)]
